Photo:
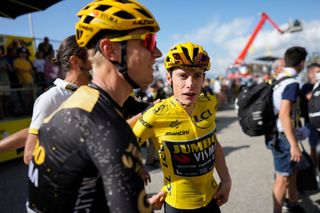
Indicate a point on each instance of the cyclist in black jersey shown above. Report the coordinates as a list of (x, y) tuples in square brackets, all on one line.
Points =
[(87, 158)]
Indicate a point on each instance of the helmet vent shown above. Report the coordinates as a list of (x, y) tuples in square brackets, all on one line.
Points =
[(195, 53), (185, 52), (103, 7), (88, 19), (176, 56), (145, 13), (124, 15)]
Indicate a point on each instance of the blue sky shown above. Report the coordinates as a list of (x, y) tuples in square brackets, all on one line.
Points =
[(222, 27)]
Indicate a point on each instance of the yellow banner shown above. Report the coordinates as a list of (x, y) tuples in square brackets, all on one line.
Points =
[(8, 127), (15, 42)]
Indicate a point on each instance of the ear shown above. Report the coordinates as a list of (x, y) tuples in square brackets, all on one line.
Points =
[(74, 60), (107, 48), (168, 78)]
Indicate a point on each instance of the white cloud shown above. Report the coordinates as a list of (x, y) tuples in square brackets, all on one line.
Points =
[(225, 41)]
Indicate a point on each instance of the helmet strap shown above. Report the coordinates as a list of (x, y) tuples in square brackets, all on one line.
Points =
[(123, 68)]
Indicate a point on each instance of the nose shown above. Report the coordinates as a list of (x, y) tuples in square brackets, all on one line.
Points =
[(189, 81), (157, 53)]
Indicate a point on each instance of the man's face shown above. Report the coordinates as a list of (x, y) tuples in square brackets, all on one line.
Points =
[(314, 72), (279, 67), (186, 85), (140, 60)]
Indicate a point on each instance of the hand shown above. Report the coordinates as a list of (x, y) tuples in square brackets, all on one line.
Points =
[(146, 177), (295, 153), (27, 157), (222, 195), (157, 101), (157, 200)]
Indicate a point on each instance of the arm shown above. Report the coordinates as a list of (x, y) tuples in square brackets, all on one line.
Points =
[(142, 106), (133, 120), (42, 108), (285, 119), (28, 150), (222, 194), (14, 141)]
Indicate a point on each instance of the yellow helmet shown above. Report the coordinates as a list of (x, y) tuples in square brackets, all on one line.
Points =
[(187, 55), (114, 15)]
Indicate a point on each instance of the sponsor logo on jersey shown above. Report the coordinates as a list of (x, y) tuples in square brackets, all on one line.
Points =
[(145, 123), (203, 98), (143, 203), (182, 132), (132, 159), (33, 174), (164, 164), (157, 111), (86, 194), (194, 157), (39, 155), (203, 120), (175, 124)]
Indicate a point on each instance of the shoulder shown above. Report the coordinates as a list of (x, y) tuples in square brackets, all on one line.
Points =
[(160, 108), (282, 84), (207, 100), (47, 96), (85, 98)]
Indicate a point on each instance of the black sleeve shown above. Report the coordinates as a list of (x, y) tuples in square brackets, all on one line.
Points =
[(132, 107), (115, 153)]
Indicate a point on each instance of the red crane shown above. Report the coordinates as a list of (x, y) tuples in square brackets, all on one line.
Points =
[(263, 19)]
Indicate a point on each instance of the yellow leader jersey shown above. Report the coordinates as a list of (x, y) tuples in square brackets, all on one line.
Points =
[(186, 148)]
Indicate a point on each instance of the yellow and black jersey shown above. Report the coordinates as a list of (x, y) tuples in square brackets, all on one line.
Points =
[(186, 146), (87, 159)]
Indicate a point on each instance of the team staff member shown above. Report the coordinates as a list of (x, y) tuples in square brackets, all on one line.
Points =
[(285, 150), (74, 62), (183, 129), (87, 158)]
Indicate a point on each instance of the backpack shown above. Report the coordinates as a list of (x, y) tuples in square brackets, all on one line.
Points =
[(314, 107), (255, 113)]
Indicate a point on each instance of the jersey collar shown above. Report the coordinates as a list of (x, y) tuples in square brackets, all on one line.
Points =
[(287, 71), (65, 85), (108, 97)]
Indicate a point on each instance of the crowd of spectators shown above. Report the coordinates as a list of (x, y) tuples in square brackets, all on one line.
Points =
[(23, 78)]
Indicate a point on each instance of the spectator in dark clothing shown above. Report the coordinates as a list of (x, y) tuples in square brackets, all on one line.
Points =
[(206, 87), (161, 94), (46, 47), (5, 69), (306, 92)]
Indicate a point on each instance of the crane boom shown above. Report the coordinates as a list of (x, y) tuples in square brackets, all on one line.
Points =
[(263, 19)]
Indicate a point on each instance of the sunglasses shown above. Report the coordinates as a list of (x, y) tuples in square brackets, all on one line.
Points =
[(149, 40)]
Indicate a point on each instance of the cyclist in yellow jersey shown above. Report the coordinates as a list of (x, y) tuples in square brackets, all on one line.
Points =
[(183, 129)]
